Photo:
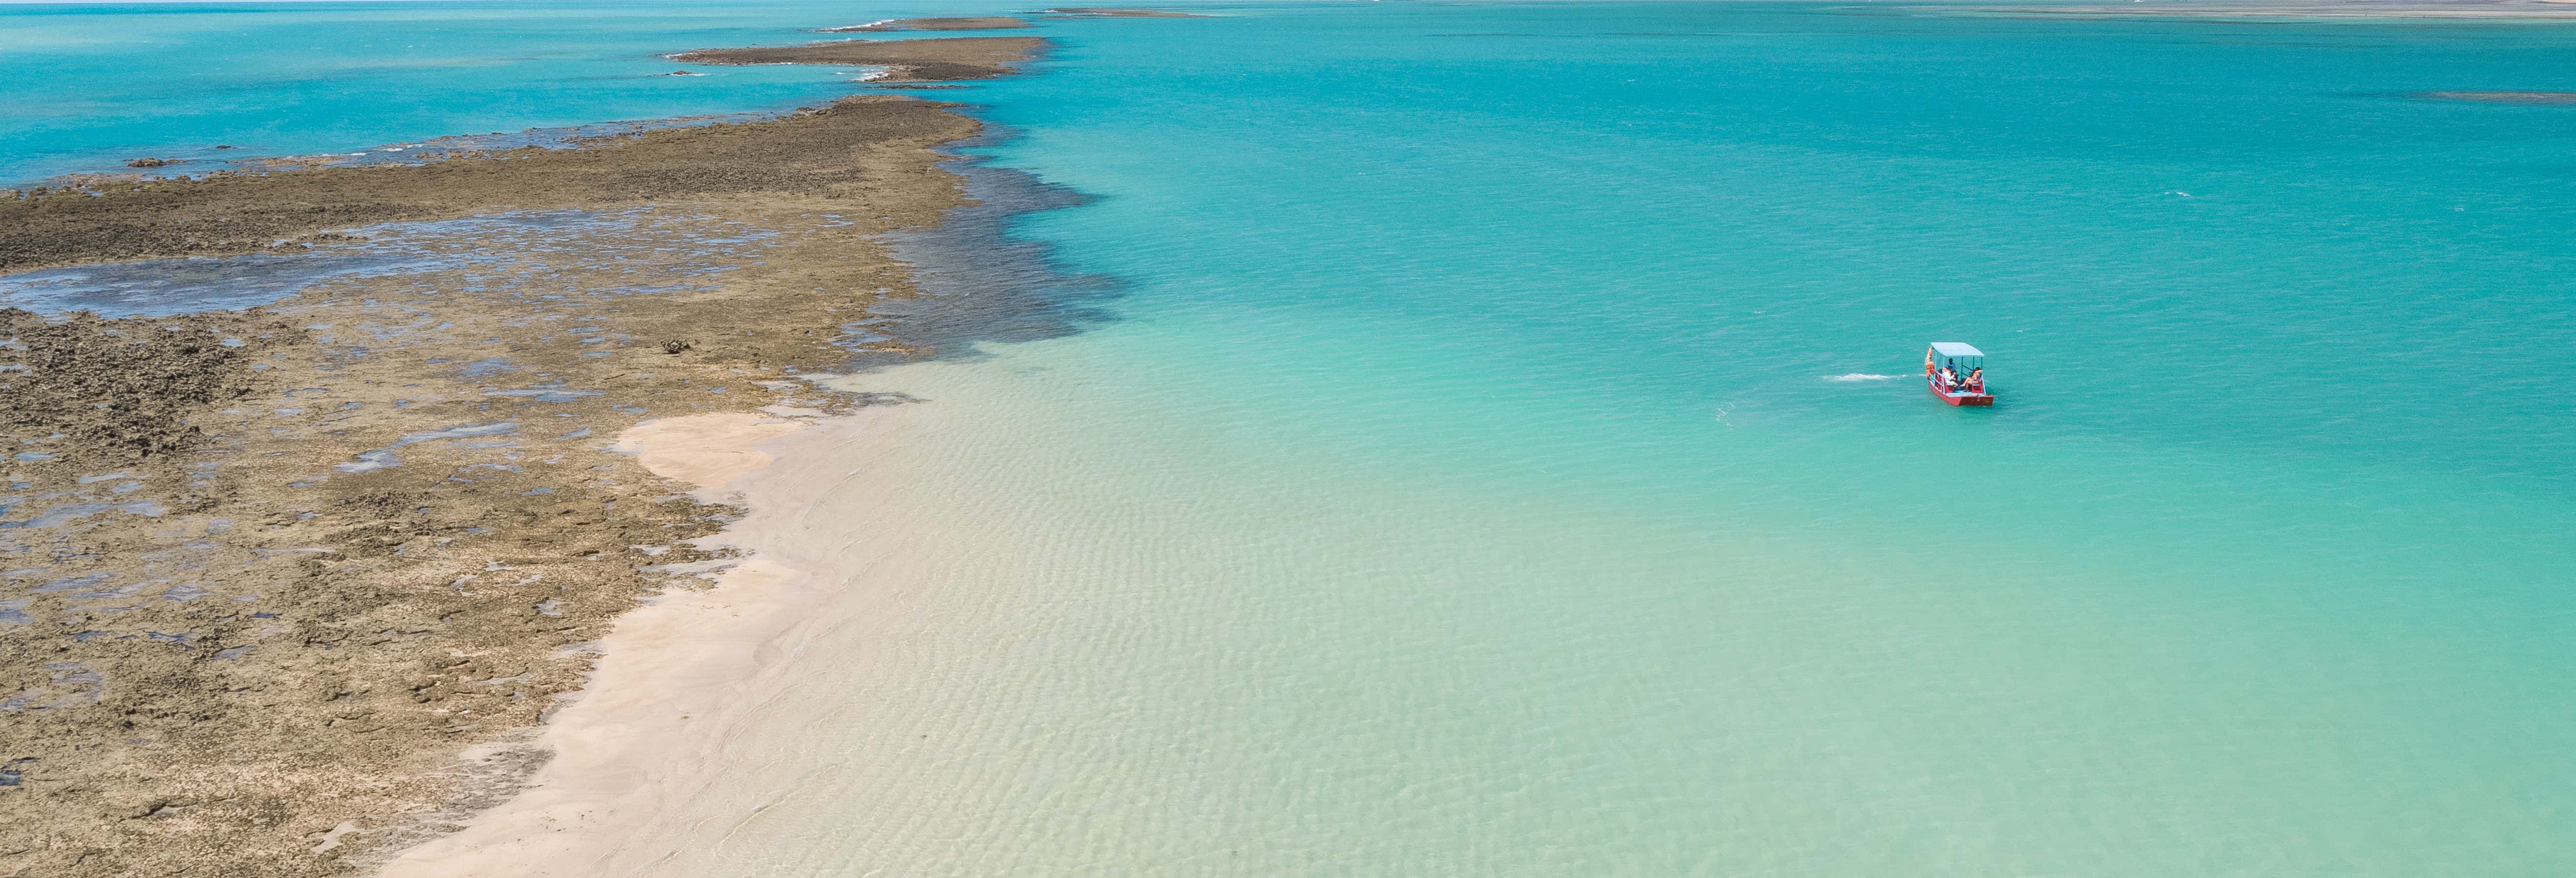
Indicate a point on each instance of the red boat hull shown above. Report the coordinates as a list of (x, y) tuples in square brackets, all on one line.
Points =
[(1959, 398)]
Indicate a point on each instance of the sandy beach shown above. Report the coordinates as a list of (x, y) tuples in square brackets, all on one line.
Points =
[(869, 645), (451, 440), (388, 512), (633, 748), (629, 746)]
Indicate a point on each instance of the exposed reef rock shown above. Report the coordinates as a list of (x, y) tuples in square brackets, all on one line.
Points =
[(906, 60), (2535, 98), (265, 573), (996, 22)]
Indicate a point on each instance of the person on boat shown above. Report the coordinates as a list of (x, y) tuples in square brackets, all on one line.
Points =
[(1977, 380), (1949, 376)]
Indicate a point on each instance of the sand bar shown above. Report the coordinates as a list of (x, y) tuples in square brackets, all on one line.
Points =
[(677, 672), (312, 550)]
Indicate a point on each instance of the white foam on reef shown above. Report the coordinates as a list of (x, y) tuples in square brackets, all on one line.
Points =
[(1859, 376)]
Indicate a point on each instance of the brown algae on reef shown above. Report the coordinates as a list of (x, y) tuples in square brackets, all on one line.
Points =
[(273, 554)]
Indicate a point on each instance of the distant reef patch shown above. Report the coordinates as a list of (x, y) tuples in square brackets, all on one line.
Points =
[(988, 22), (2540, 98), (905, 60), (1115, 12)]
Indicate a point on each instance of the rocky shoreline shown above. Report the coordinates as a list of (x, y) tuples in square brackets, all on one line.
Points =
[(265, 573)]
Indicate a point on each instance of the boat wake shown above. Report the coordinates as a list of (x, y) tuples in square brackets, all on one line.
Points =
[(1859, 376)]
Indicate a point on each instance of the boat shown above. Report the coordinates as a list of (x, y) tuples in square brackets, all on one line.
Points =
[(1956, 358)]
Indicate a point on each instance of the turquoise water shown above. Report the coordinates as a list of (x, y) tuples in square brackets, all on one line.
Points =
[(94, 84), (2260, 567), (1486, 475)]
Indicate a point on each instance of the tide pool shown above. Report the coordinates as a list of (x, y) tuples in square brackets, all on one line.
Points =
[(1484, 474)]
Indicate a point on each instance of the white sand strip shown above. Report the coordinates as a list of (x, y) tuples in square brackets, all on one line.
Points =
[(674, 674)]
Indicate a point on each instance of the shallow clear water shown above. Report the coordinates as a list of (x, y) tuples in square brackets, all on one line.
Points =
[(162, 287), (1466, 490)]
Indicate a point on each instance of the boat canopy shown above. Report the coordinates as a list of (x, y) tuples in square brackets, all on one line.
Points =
[(1956, 349)]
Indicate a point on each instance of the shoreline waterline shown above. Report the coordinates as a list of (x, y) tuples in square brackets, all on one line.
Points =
[(645, 745), (630, 744), (1504, 457), (1439, 517), (414, 411)]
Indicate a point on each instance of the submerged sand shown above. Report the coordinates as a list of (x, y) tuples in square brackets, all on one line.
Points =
[(269, 571)]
